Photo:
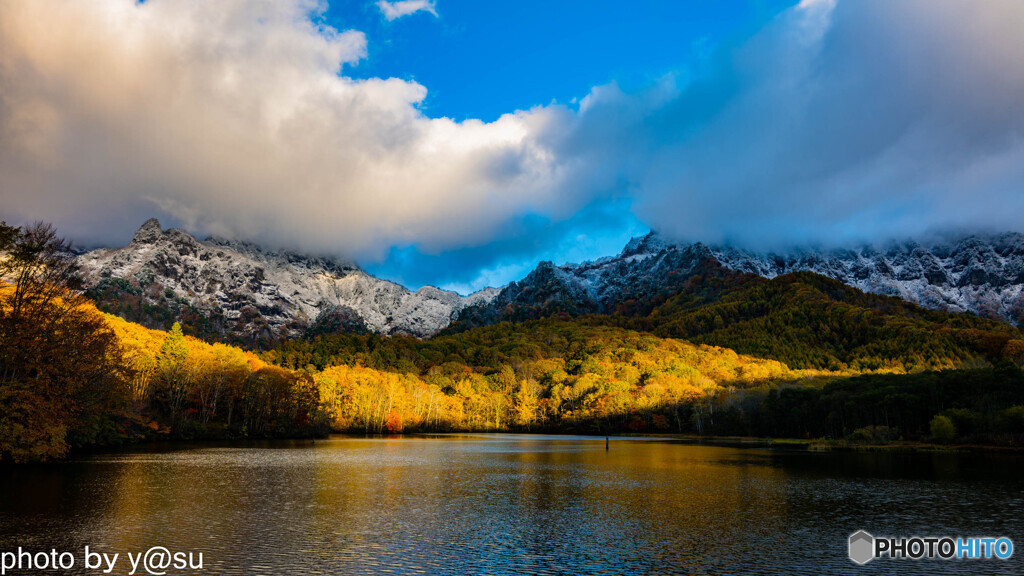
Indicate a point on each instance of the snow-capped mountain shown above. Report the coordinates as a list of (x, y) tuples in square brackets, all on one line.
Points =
[(979, 274), (647, 267), (254, 293), (243, 290)]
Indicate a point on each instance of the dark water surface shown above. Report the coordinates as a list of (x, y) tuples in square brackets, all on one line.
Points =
[(510, 504)]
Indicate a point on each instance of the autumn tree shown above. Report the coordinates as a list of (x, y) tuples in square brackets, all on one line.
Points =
[(172, 375), (61, 370), (526, 403)]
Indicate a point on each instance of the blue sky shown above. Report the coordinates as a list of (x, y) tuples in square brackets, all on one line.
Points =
[(459, 143), (481, 60), (484, 59)]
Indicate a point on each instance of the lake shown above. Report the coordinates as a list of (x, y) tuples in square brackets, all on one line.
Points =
[(510, 504)]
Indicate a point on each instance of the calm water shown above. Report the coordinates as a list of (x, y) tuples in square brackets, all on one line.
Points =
[(509, 504)]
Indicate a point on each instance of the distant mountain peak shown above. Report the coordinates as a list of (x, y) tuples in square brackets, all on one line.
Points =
[(241, 290), (149, 232), (650, 243), (245, 289), (982, 274)]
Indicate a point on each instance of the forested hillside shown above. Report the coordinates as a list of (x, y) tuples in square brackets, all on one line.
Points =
[(549, 374), (582, 375), (810, 321), (71, 376)]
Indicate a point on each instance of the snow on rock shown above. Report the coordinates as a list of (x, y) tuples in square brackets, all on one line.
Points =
[(979, 274), (235, 280), (287, 292)]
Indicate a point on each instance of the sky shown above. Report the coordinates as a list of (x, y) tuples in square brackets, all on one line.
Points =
[(459, 143)]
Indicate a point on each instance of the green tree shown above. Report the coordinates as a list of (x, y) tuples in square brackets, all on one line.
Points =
[(942, 429), (174, 351), (173, 383), (1011, 420)]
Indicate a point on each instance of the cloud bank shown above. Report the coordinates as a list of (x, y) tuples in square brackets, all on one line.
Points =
[(395, 10), (236, 118), (841, 121), (838, 121)]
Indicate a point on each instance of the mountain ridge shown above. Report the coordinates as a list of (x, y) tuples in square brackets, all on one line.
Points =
[(221, 286), (979, 274), (982, 274), (225, 288)]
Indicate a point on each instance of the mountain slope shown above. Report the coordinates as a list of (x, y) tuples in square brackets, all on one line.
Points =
[(631, 283), (218, 287), (803, 319), (978, 274), (809, 321), (238, 289), (983, 274)]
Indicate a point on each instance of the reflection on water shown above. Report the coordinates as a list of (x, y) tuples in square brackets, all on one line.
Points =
[(498, 504)]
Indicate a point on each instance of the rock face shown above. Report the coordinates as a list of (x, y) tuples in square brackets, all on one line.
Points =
[(627, 283), (248, 292), (979, 274)]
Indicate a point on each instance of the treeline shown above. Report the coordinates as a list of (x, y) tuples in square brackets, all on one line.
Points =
[(810, 321), (185, 388), (982, 406), (557, 375), (541, 375)]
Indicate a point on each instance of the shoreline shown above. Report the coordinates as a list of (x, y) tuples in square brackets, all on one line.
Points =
[(824, 445), (778, 444)]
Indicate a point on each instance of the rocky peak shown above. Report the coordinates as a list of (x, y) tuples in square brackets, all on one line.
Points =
[(148, 233), (243, 290), (650, 243), (979, 274)]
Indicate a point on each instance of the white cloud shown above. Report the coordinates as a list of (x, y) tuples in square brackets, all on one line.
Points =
[(235, 117), (838, 120), (395, 10)]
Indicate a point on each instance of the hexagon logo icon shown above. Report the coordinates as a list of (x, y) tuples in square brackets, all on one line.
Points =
[(862, 547)]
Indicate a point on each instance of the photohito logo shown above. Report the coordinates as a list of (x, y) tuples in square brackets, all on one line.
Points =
[(864, 548)]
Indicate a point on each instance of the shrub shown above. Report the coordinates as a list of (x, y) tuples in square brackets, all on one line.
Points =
[(1011, 420), (873, 435), (942, 429)]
